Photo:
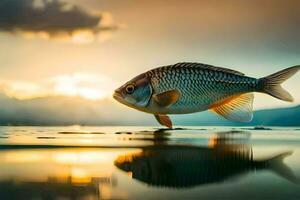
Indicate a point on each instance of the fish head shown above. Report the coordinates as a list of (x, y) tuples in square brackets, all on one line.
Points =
[(135, 93)]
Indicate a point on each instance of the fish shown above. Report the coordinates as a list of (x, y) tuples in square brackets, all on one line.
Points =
[(184, 166), (186, 87)]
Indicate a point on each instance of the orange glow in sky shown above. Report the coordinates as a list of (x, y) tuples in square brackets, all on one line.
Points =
[(85, 85)]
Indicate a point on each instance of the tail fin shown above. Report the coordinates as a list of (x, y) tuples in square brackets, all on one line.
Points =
[(271, 84), (277, 165)]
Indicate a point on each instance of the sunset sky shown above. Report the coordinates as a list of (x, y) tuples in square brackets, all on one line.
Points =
[(87, 48)]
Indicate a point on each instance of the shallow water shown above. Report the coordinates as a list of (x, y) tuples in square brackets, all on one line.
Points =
[(147, 163)]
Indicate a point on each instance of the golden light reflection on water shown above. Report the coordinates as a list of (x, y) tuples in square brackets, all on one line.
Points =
[(79, 175), (157, 163), (92, 169), (21, 157)]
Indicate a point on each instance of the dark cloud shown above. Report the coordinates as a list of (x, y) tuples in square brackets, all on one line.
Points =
[(50, 16)]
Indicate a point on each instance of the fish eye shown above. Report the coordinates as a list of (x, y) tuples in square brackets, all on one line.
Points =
[(130, 88)]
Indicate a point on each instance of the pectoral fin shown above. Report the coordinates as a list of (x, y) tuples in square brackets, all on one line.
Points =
[(164, 120), (237, 108), (167, 98)]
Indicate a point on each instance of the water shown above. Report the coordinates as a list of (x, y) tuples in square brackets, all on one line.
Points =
[(147, 163)]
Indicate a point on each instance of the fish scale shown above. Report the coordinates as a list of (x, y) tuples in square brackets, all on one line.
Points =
[(200, 85)]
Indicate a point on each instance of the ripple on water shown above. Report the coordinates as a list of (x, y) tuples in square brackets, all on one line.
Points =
[(79, 133)]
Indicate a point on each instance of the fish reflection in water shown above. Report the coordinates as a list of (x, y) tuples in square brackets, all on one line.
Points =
[(186, 166)]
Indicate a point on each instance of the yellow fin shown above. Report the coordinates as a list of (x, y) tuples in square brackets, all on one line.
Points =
[(164, 120), (237, 108), (167, 98)]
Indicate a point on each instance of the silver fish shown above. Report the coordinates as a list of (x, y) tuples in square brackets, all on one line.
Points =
[(193, 87)]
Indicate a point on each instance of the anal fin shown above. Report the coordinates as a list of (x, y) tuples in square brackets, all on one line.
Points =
[(237, 108), (164, 120)]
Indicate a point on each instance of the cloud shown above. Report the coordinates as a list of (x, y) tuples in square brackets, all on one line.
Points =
[(52, 19), (84, 85)]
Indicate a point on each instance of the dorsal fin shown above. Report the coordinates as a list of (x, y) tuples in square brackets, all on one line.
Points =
[(236, 108), (209, 67)]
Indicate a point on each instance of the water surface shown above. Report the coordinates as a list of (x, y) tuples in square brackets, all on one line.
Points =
[(149, 163)]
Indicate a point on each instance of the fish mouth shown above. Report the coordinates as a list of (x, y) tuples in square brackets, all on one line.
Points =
[(118, 96)]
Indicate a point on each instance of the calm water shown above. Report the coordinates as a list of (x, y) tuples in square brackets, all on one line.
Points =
[(147, 163)]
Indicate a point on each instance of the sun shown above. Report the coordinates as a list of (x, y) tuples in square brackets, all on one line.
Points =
[(85, 85)]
